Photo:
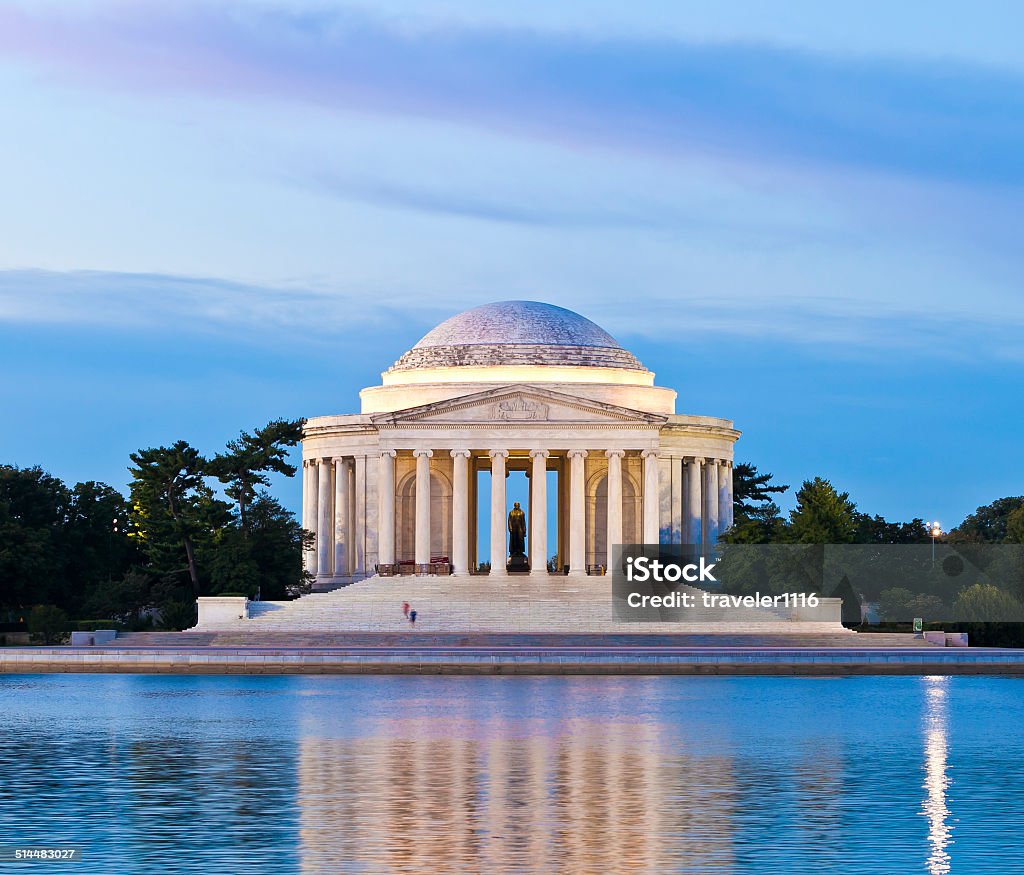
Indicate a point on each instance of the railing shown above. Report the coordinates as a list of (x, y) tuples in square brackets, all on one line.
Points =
[(439, 565)]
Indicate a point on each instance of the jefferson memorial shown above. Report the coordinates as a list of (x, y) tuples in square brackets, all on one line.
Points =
[(515, 386)]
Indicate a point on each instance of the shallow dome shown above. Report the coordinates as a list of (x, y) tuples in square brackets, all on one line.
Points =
[(517, 333)]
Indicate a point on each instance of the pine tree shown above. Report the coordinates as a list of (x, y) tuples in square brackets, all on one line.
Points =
[(250, 458), (822, 515), (172, 506)]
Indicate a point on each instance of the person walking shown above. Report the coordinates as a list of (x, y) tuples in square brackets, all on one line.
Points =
[(412, 618), (405, 610)]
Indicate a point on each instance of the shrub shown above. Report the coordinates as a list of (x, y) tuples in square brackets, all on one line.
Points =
[(984, 602), (175, 616), (47, 624)]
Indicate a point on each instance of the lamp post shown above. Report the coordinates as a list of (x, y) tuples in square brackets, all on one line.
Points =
[(935, 530)]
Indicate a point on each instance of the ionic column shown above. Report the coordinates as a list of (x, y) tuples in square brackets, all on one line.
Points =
[(693, 500), (422, 557), (360, 522), (341, 512), (724, 496), (324, 523), (652, 498), (711, 502), (498, 522), (460, 513), (577, 514), (539, 513), (386, 508), (309, 490), (614, 535)]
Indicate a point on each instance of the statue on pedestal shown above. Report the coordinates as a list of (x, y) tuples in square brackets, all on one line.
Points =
[(517, 539)]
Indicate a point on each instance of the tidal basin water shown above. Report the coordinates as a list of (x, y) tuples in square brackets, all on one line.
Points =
[(466, 774)]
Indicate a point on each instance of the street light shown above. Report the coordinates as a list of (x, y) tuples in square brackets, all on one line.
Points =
[(935, 530)]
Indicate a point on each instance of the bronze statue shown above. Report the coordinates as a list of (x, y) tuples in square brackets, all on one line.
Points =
[(516, 531)]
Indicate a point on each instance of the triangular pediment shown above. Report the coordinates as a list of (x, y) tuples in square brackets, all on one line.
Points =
[(518, 404)]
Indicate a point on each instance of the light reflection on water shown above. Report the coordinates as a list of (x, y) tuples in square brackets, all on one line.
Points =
[(427, 775), (936, 781)]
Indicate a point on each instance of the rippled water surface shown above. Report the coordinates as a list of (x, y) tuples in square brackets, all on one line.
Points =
[(434, 775)]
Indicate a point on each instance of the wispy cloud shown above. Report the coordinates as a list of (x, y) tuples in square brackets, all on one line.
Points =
[(293, 317), (179, 303), (667, 97)]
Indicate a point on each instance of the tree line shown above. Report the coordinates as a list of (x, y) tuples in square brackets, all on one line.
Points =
[(195, 526), (824, 515), (190, 526)]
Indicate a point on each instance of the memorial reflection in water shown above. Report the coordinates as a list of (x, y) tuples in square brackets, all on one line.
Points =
[(448, 792), (481, 774)]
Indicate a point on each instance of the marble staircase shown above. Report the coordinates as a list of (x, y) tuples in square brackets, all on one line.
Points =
[(518, 604)]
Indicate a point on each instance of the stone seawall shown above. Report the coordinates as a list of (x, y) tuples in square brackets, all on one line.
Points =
[(525, 661)]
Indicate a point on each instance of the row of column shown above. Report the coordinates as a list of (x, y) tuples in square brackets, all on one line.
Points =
[(538, 514), (330, 487), (328, 509), (708, 511)]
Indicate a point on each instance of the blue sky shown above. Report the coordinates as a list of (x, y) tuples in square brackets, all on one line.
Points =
[(803, 216)]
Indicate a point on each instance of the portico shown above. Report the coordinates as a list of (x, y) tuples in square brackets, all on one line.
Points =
[(517, 386)]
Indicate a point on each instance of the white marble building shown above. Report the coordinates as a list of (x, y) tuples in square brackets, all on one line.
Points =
[(516, 385)]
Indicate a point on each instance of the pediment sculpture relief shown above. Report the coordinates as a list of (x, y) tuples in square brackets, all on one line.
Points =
[(516, 409)]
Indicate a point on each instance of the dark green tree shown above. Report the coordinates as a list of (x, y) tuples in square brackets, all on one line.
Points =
[(58, 544), (899, 604), (172, 507), (822, 515), (47, 624), (752, 490), (988, 524), (267, 561), (123, 598), (763, 524), (878, 530), (249, 460), (1015, 527), (34, 509), (175, 616), (96, 540)]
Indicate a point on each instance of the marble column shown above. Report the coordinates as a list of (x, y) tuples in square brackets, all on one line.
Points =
[(711, 503), (724, 496), (386, 508), (539, 513), (693, 500), (577, 514), (614, 535), (309, 498), (360, 484), (341, 514), (498, 521), (652, 498), (422, 558), (460, 513), (324, 522)]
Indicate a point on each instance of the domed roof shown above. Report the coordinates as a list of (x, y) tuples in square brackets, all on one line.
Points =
[(517, 333)]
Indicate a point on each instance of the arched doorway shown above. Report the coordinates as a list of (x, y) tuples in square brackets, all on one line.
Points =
[(440, 517), (597, 516)]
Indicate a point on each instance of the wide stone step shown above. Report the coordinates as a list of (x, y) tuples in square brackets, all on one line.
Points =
[(520, 605), (160, 639), (414, 638)]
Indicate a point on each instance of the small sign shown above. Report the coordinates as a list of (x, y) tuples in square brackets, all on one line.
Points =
[(918, 624)]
